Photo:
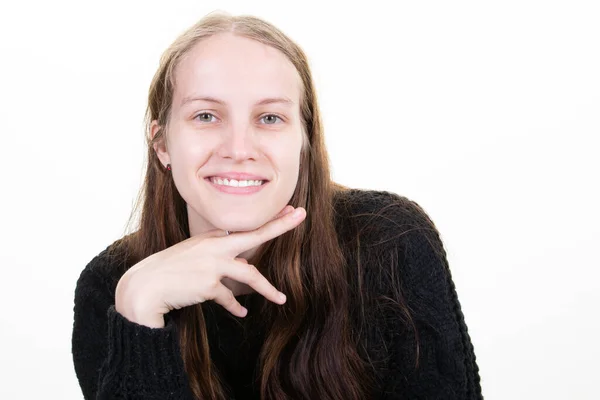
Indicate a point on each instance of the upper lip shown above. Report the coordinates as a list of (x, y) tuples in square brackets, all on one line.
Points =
[(238, 176)]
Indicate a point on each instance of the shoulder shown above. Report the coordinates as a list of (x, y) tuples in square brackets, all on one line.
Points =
[(391, 244), (411, 315), (104, 268), (380, 217)]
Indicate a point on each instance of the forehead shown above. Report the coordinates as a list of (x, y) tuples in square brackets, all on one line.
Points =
[(235, 68)]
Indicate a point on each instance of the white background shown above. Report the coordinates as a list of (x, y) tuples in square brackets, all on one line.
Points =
[(485, 113)]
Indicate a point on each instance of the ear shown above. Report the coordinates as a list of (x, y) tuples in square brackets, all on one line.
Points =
[(160, 147)]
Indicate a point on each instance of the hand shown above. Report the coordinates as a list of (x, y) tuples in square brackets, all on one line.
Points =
[(190, 272)]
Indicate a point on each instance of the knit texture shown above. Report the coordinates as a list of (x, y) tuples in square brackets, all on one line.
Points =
[(115, 358)]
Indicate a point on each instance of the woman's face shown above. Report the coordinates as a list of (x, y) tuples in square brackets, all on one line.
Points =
[(235, 110)]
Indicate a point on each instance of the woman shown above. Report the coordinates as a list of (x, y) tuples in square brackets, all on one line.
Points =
[(238, 206)]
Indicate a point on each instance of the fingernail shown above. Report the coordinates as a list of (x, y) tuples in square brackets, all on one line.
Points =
[(282, 297), (244, 311)]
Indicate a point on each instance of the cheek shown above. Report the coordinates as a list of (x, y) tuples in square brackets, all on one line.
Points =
[(193, 149), (288, 156), (288, 166)]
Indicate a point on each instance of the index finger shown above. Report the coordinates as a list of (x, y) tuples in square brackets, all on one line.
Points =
[(243, 241)]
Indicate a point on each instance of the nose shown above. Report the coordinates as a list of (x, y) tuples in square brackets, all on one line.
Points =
[(238, 143)]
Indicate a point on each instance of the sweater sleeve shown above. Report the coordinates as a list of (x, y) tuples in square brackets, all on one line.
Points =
[(115, 358), (447, 367)]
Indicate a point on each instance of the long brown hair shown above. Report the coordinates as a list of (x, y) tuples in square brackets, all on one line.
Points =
[(309, 350)]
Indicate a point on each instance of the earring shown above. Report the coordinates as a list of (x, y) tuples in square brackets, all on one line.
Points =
[(168, 167)]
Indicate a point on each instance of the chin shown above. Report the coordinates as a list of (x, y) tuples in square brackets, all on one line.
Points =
[(236, 223)]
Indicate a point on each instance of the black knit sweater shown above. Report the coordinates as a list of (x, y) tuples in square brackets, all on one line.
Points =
[(115, 358)]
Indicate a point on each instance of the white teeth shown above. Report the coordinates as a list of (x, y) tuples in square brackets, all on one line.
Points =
[(235, 183)]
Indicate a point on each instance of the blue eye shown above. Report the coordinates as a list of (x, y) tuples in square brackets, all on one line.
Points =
[(204, 113), (271, 115)]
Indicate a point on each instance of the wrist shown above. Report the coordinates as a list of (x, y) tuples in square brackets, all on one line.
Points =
[(135, 307)]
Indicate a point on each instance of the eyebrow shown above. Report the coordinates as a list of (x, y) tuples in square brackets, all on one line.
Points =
[(269, 100)]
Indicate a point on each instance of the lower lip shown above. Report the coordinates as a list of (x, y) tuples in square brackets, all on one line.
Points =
[(236, 190)]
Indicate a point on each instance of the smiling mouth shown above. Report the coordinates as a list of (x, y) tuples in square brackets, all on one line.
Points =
[(234, 183), (247, 188)]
